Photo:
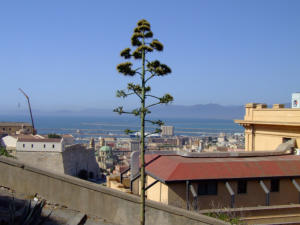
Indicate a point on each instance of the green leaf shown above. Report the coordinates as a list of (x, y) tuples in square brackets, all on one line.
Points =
[(125, 68), (167, 98), (121, 94), (143, 28), (127, 131), (149, 34), (134, 87), (157, 130), (147, 89), (135, 39), (143, 22), (119, 110), (136, 112), (125, 53), (136, 54), (157, 45)]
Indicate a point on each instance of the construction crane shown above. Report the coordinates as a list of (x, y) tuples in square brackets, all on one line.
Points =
[(26, 96)]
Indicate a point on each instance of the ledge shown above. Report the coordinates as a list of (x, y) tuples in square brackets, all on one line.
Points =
[(249, 122)]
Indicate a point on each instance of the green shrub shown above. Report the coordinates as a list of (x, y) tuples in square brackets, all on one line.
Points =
[(4, 152)]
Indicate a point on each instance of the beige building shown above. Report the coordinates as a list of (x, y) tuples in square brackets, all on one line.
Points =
[(266, 128), (12, 128), (218, 182)]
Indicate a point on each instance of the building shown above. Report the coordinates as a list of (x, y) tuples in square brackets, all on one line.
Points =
[(12, 128), (53, 154), (217, 182), (105, 158), (40, 144), (266, 128), (167, 131), (9, 142), (134, 145), (68, 139)]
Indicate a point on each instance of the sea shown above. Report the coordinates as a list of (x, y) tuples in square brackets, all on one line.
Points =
[(85, 127)]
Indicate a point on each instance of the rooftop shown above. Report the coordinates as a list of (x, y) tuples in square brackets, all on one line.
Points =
[(170, 168), (33, 139), (14, 124)]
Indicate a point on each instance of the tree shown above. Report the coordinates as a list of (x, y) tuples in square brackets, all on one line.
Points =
[(54, 135), (143, 43), (4, 152)]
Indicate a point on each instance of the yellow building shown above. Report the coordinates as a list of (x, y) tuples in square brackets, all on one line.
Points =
[(218, 182), (266, 128), (12, 128)]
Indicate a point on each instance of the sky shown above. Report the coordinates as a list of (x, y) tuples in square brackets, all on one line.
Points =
[(63, 53)]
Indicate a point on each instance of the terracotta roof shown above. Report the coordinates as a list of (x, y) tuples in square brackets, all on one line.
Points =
[(168, 168), (39, 139)]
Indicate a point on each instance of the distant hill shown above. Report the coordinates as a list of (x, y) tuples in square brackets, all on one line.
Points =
[(199, 111), (207, 111)]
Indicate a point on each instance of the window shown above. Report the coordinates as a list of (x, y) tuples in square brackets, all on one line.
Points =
[(242, 187), (3, 128), (23, 145), (44, 145), (31, 145), (208, 188), (9, 128), (285, 139), (53, 146), (274, 185)]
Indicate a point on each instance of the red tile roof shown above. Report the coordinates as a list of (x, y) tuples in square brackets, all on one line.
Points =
[(168, 168)]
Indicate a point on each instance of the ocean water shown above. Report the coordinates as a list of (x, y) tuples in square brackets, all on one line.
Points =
[(115, 125)]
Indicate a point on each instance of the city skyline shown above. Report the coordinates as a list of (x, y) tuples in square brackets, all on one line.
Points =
[(64, 54)]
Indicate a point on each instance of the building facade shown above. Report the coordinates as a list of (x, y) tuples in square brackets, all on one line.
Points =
[(167, 131), (266, 128), (231, 182), (12, 128)]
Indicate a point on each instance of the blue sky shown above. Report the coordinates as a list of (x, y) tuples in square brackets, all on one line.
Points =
[(64, 53)]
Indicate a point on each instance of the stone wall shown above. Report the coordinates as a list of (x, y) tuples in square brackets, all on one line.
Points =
[(71, 161), (91, 198)]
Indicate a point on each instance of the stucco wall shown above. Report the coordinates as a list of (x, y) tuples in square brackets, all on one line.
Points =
[(158, 192), (255, 196), (269, 137), (93, 199), (70, 162), (265, 127), (40, 146)]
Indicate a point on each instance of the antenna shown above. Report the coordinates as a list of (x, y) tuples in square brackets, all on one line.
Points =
[(26, 96)]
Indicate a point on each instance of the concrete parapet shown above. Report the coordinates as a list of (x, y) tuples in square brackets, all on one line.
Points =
[(90, 198), (278, 106), (251, 105), (261, 106)]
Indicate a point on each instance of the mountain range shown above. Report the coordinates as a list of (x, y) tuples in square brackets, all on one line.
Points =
[(199, 111)]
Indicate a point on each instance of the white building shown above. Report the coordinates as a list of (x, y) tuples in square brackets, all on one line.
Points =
[(40, 145), (9, 142), (167, 130), (68, 139), (134, 145)]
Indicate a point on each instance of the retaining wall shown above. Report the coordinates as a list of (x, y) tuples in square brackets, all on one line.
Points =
[(93, 199)]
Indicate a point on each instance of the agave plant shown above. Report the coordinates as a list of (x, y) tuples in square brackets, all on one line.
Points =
[(29, 215)]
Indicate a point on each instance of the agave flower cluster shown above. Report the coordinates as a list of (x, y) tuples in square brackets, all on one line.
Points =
[(142, 43)]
